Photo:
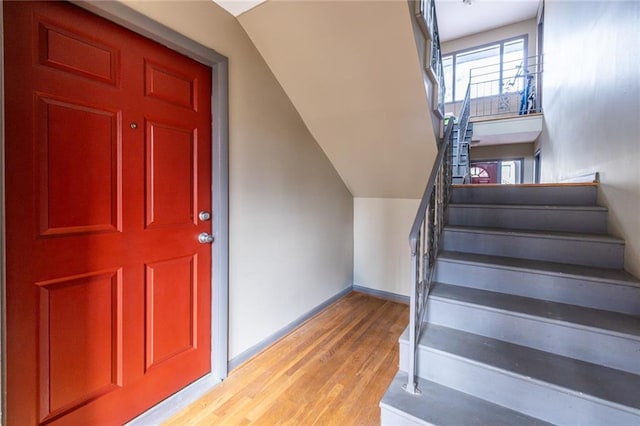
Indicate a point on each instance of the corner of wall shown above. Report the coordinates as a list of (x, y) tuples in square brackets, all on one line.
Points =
[(382, 256)]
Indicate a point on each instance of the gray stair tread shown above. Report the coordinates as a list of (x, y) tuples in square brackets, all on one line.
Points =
[(440, 405), (607, 384), (527, 185), (577, 236), (575, 315), (613, 276), (530, 207)]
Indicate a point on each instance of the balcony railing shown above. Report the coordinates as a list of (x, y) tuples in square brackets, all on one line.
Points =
[(513, 90)]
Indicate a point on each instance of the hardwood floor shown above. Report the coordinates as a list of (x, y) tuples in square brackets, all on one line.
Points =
[(332, 370)]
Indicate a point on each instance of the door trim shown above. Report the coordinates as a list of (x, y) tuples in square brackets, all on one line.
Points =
[(120, 14), (3, 269)]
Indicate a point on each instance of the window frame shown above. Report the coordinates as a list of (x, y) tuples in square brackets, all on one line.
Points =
[(501, 43)]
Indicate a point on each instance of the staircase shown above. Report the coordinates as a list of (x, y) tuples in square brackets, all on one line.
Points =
[(460, 155), (531, 319)]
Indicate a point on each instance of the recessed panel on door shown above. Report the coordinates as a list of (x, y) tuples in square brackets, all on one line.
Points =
[(171, 306), (79, 167), (77, 54), (80, 339), (170, 86), (171, 168)]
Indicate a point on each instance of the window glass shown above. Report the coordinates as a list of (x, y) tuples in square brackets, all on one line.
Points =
[(511, 171), (485, 63), (447, 67), (491, 72), (513, 66)]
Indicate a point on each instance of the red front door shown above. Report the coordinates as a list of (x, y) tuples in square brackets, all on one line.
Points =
[(484, 172), (108, 162)]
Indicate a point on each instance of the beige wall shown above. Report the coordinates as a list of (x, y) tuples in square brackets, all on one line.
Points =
[(291, 216), (528, 27), (351, 70), (507, 152), (381, 243), (591, 104)]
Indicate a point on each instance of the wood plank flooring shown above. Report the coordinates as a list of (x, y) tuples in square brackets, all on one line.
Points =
[(332, 370)]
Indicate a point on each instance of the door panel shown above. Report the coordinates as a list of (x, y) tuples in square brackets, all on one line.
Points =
[(74, 53), (79, 364), (170, 86), (171, 167), (73, 171), (171, 309), (108, 162)]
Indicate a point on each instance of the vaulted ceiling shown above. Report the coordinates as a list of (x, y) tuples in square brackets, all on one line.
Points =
[(457, 19), (352, 71)]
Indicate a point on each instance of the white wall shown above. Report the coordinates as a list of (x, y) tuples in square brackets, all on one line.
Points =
[(508, 152), (381, 254), (591, 104), (291, 216), (528, 27)]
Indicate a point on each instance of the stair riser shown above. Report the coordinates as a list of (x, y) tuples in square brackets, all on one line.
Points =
[(557, 288), (572, 340), (589, 221), (531, 397), (578, 252), (550, 195), (440, 405)]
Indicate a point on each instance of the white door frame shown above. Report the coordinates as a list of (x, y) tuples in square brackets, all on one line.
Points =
[(141, 24)]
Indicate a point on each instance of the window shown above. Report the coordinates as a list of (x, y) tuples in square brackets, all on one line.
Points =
[(493, 68), (482, 65), (447, 67), (513, 65), (511, 172)]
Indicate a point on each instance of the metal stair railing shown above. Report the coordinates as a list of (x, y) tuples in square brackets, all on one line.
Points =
[(424, 240), (427, 227), (461, 143)]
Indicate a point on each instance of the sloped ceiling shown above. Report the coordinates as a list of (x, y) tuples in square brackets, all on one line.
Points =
[(352, 71), (457, 19), (238, 7)]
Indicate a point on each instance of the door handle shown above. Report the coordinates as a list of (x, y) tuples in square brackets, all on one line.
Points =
[(205, 238)]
